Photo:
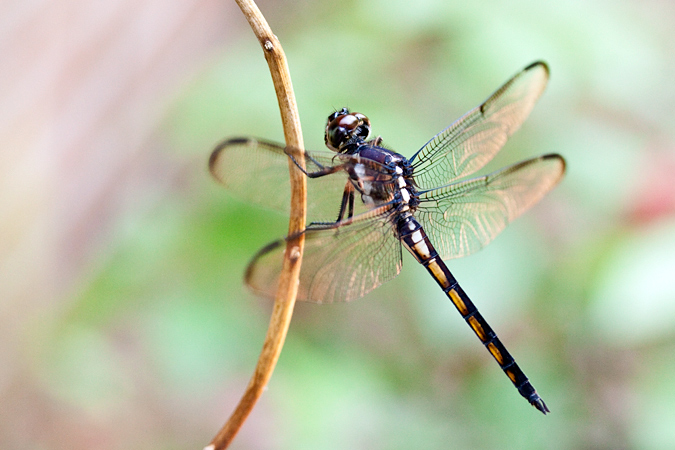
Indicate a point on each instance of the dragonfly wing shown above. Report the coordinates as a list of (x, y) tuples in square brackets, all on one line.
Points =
[(462, 218), (257, 171), (474, 139), (340, 263)]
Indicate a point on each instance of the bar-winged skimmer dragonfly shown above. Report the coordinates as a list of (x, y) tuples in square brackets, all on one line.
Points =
[(375, 202)]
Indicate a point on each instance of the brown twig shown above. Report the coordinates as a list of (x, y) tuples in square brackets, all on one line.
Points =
[(288, 281)]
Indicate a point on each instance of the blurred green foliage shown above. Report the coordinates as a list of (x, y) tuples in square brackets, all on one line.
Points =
[(580, 289)]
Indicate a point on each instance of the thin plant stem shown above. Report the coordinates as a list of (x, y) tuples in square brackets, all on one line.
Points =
[(288, 281)]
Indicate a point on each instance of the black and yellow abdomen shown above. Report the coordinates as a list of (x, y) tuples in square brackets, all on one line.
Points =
[(415, 239)]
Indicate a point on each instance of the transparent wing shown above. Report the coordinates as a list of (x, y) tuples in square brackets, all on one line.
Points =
[(462, 218), (257, 171), (474, 139), (338, 264)]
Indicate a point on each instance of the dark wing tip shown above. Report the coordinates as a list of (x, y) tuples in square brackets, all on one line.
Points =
[(253, 280), (222, 146), (538, 63), (559, 158), (266, 249), (520, 75)]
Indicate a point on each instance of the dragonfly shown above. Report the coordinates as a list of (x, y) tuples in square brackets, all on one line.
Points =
[(375, 202)]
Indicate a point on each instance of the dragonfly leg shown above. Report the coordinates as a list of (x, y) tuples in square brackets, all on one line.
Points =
[(323, 170), (347, 202), (346, 205)]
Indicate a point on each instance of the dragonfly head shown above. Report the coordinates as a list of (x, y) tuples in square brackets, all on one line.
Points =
[(344, 128)]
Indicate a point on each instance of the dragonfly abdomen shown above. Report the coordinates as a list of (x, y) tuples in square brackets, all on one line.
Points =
[(415, 239)]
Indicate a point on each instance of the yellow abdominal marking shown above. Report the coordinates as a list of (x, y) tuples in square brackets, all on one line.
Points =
[(496, 353), (459, 303), (438, 274), (511, 375), (473, 323)]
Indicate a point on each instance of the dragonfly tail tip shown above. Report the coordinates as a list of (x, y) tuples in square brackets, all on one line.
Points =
[(538, 403)]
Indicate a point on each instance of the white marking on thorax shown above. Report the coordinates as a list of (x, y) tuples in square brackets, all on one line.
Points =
[(360, 170), (365, 186)]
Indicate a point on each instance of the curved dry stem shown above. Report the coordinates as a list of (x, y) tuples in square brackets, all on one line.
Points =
[(288, 281)]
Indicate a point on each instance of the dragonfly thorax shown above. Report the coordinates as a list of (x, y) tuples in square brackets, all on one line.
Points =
[(381, 176)]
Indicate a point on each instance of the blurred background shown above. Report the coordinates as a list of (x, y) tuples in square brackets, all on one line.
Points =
[(123, 319)]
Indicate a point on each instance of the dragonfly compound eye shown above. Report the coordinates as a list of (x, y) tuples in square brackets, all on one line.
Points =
[(364, 126), (341, 112), (344, 129)]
